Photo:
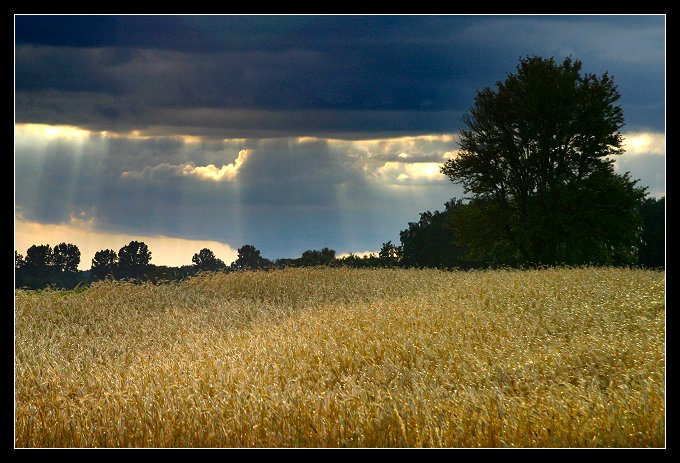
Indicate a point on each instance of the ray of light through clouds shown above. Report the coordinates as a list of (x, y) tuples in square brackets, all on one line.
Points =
[(288, 133)]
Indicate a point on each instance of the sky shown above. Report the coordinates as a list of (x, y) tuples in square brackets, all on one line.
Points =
[(288, 133)]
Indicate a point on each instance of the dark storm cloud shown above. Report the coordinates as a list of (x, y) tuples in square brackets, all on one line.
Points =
[(163, 32), (406, 73), (100, 112), (630, 48)]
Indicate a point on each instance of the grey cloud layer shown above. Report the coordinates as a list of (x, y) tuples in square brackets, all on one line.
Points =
[(288, 196), (287, 75)]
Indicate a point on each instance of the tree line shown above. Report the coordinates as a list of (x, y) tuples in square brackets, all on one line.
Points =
[(536, 160), (431, 242), (44, 266)]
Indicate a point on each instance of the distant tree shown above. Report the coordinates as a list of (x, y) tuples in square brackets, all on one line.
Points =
[(350, 260), (652, 252), (285, 262), (313, 257), (39, 258), (104, 263), (367, 261), (165, 273), (537, 154), (18, 260), (431, 242), (205, 260), (66, 257), (133, 259), (249, 258), (389, 254)]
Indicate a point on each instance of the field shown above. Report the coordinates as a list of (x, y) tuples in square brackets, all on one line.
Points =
[(346, 358)]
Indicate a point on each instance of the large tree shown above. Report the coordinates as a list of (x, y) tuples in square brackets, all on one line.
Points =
[(653, 239), (537, 155), (430, 242)]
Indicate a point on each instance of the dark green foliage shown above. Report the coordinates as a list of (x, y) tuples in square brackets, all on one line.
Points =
[(104, 263), (431, 242), (285, 262), (537, 157), (478, 240), (390, 255), (66, 257), (133, 259), (52, 278), (163, 273), (39, 258), (313, 257), (249, 258), (354, 261), (652, 251), (18, 260), (135, 253), (205, 260), (44, 267)]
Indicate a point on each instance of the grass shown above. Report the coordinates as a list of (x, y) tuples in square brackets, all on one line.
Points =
[(346, 358)]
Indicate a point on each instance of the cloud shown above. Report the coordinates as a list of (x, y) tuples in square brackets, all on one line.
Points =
[(649, 169), (210, 172), (226, 172), (403, 172), (51, 132), (203, 34), (283, 195), (636, 143), (325, 76), (92, 111), (645, 159)]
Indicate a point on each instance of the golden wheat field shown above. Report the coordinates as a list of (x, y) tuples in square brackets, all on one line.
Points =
[(346, 358)]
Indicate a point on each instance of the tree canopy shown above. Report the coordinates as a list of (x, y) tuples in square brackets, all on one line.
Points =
[(45, 266), (249, 258), (537, 155), (66, 257), (430, 242), (104, 263), (390, 255), (39, 258), (18, 260), (314, 257), (134, 258), (653, 238), (205, 260)]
